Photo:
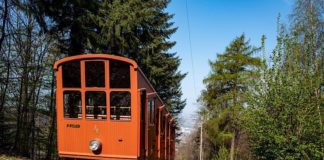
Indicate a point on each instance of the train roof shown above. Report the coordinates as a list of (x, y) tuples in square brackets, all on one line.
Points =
[(94, 56)]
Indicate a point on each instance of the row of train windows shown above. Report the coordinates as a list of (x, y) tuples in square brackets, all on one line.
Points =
[(119, 74), (120, 105)]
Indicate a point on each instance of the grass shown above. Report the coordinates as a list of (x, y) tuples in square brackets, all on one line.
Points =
[(6, 157)]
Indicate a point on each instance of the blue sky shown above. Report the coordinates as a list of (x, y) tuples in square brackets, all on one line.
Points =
[(213, 25)]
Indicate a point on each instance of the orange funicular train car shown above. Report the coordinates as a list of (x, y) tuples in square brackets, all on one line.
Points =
[(107, 109)]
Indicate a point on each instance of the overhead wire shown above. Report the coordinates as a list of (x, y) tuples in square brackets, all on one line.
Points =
[(194, 80), (190, 47)]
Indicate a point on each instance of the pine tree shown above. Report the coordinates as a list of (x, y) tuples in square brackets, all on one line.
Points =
[(68, 20), (137, 29), (226, 85)]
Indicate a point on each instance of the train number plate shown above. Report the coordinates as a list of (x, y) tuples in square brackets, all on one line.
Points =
[(73, 125)]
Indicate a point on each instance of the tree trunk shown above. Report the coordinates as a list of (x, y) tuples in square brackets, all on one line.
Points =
[(232, 152), (18, 124), (53, 118), (232, 147), (4, 19)]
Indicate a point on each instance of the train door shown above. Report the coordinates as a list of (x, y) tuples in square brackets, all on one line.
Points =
[(143, 125), (94, 102), (82, 101)]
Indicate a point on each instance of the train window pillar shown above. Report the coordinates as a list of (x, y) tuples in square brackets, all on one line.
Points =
[(72, 104), (120, 105), (96, 105)]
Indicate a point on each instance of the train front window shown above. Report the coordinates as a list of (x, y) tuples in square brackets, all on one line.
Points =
[(119, 74), (120, 105), (72, 104), (95, 73), (96, 105), (71, 74)]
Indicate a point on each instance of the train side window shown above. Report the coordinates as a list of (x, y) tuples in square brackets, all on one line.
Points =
[(71, 74), (120, 105), (149, 110), (96, 105), (95, 73), (152, 111), (157, 121), (119, 74), (72, 104), (162, 124)]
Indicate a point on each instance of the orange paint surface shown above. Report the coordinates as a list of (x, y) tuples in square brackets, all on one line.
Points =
[(120, 139)]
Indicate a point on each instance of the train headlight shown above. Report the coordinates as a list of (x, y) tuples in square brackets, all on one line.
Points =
[(94, 145)]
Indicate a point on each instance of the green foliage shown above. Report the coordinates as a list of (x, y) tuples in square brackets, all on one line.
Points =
[(69, 21), (284, 119), (223, 154), (225, 92), (229, 75), (218, 127), (137, 29), (280, 109)]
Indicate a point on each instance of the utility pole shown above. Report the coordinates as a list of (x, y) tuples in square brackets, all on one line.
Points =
[(201, 140)]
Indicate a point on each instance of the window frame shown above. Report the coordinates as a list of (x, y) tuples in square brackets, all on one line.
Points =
[(152, 111), (83, 89), (106, 115), (98, 89), (72, 90), (130, 75), (85, 73), (120, 90), (131, 99), (80, 74)]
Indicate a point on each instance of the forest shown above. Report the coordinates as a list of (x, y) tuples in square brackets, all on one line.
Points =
[(265, 108)]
